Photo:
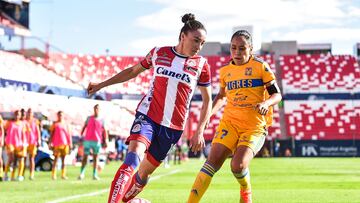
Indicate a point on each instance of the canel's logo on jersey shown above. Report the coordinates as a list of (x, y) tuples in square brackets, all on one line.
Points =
[(182, 76)]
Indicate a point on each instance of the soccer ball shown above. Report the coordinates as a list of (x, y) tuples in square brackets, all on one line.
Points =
[(139, 200)]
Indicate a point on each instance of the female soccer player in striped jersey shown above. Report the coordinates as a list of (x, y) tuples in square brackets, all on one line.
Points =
[(243, 127), (161, 114)]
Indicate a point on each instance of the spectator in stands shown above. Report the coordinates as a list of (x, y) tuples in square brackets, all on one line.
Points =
[(287, 152), (95, 137), (34, 139), (243, 127), (160, 117), (277, 149), (119, 148), (60, 143), (15, 145), (2, 135), (178, 152)]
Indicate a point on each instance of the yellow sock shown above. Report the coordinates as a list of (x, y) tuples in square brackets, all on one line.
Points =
[(63, 172), (244, 179), (21, 167), (201, 183), (53, 173), (1, 171), (7, 168), (32, 173), (13, 174)]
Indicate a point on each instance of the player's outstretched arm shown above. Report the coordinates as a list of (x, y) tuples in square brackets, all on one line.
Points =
[(197, 142), (123, 76)]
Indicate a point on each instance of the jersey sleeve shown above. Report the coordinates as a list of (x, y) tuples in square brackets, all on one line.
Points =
[(205, 75), (267, 75), (147, 61)]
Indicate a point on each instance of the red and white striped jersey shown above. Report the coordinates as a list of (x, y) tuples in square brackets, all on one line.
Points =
[(172, 86)]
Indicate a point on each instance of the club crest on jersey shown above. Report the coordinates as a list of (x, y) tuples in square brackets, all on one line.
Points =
[(136, 128), (248, 71), (190, 67)]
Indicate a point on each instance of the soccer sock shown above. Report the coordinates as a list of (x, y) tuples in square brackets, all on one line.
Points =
[(94, 172), (82, 170), (7, 168), (135, 187), (21, 167), (201, 183), (244, 179), (53, 173), (1, 170), (32, 173), (122, 177), (63, 172), (13, 174)]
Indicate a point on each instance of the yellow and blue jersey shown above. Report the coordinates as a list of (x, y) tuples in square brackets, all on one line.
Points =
[(245, 87)]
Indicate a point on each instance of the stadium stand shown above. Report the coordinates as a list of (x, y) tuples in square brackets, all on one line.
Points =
[(319, 74), (17, 67), (85, 68), (323, 119)]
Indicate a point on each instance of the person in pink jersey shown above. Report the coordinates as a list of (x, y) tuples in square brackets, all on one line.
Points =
[(34, 139), (2, 135), (163, 111), (15, 145), (95, 137), (61, 143)]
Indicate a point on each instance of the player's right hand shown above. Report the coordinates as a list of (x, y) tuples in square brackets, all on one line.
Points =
[(92, 88), (197, 142)]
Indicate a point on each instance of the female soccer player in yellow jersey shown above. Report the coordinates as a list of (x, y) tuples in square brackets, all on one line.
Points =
[(243, 126)]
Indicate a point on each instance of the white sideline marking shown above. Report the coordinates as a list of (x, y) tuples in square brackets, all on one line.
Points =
[(105, 190)]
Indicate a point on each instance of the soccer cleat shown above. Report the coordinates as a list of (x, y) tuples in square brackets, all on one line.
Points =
[(81, 177), (96, 177), (64, 177), (133, 191), (31, 178), (53, 177), (20, 178), (245, 196)]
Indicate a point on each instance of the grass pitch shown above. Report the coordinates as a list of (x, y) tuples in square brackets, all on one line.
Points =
[(287, 180)]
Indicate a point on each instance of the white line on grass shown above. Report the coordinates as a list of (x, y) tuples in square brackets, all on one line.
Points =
[(105, 190)]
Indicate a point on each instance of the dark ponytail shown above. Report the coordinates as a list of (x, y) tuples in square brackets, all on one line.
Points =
[(190, 24)]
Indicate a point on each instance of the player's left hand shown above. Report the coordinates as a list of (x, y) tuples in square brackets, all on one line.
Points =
[(262, 108)]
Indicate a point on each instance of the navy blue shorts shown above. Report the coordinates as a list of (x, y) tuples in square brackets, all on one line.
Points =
[(157, 138)]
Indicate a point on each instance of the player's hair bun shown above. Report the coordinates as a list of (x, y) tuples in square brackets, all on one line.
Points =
[(188, 17)]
